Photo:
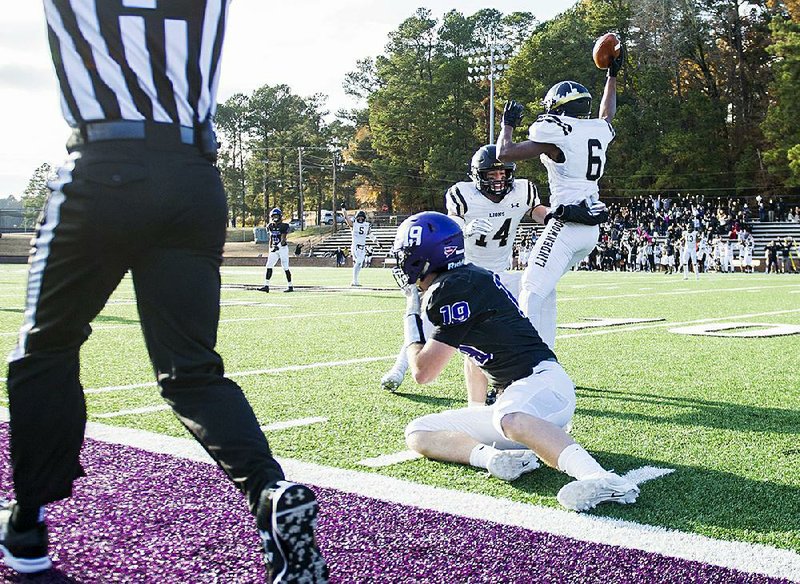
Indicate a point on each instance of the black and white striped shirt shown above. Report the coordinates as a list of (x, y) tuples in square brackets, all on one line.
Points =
[(154, 60)]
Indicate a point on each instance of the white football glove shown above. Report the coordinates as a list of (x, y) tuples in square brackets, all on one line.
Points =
[(413, 303), (597, 207), (478, 227)]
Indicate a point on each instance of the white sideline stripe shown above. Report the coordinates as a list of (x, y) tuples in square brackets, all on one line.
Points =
[(254, 372), (121, 413), (390, 459), (745, 557), (673, 324), (293, 423)]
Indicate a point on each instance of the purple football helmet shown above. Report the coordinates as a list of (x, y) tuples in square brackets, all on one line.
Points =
[(426, 242)]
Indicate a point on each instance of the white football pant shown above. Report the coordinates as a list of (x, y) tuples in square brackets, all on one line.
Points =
[(561, 246)]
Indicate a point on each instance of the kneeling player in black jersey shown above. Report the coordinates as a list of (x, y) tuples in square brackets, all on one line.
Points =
[(473, 313)]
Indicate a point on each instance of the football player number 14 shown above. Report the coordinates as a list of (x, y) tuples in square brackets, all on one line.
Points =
[(501, 235)]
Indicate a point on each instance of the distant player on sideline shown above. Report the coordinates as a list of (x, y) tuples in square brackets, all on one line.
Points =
[(690, 252), (362, 229), (279, 250), (746, 244), (572, 147), (489, 210), (474, 313)]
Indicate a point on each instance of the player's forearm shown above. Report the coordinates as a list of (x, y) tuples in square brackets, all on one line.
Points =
[(508, 151), (418, 370), (608, 103), (428, 360), (505, 142), (539, 213)]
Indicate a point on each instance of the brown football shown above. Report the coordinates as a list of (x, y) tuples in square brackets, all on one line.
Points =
[(606, 49)]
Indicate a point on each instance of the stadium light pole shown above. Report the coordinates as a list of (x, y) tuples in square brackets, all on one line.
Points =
[(487, 62), (301, 213)]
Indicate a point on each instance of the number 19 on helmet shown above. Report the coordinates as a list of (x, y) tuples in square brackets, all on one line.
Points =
[(425, 243)]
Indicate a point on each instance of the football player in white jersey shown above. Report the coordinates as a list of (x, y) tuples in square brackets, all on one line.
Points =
[(362, 229), (746, 245), (725, 255), (690, 252), (489, 210), (572, 147)]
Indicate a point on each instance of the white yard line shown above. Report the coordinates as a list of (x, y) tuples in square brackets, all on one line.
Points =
[(222, 321), (286, 424), (389, 357), (673, 324), (676, 293), (255, 372), (120, 413), (745, 557), (390, 459)]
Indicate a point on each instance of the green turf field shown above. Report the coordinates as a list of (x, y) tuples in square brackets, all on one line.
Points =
[(723, 412)]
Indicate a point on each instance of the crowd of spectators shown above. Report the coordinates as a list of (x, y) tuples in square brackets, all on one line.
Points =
[(645, 233)]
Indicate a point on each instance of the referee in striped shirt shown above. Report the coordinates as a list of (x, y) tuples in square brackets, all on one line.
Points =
[(140, 192)]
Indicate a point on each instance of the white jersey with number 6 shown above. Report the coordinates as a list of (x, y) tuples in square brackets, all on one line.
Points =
[(491, 251), (584, 143)]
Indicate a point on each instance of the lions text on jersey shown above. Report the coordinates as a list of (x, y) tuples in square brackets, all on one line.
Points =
[(584, 143), (492, 251)]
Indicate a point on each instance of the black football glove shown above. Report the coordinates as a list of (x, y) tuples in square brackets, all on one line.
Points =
[(512, 113), (616, 63), (579, 214)]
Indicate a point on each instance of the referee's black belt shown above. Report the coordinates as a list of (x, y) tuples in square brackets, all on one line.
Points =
[(156, 135)]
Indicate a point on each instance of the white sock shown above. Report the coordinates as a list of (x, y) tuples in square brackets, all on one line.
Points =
[(480, 455), (578, 463), (356, 270)]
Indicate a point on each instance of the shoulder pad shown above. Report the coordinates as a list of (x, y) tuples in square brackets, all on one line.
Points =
[(455, 201), (548, 126)]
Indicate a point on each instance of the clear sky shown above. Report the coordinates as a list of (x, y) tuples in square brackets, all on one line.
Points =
[(309, 45)]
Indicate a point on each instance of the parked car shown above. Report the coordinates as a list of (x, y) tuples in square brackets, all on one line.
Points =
[(294, 224), (326, 217)]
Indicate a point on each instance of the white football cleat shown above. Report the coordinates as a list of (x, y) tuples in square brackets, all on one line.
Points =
[(393, 379), (586, 494), (509, 465)]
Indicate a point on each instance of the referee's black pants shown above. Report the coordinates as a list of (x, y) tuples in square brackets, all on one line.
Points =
[(160, 212)]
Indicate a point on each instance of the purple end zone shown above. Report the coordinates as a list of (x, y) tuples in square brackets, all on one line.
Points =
[(141, 517)]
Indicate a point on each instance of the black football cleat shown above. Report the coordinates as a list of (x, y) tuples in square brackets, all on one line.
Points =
[(289, 289), (264, 289), (287, 519), (23, 551)]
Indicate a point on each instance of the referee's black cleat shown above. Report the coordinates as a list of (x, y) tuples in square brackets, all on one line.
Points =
[(287, 519), (23, 551), (289, 289), (264, 289)]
